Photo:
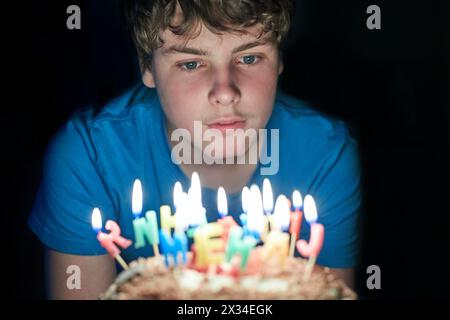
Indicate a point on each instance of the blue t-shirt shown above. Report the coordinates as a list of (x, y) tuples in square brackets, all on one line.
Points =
[(94, 160)]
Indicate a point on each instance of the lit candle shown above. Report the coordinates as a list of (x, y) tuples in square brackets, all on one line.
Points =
[(172, 247), (222, 203), (267, 206), (178, 244), (145, 227), (277, 243), (245, 197), (256, 220), (267, 197), (209, 247), (182, 213), (225, 220), (177, 191), (168, 245), (196, 188), (181, 224), (167, 219), (237, 245), (198, 212), (296, 220), (311, 249), (281, 216), (111, 240)]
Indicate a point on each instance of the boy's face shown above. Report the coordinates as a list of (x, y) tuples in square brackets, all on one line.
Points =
[(225, 81)]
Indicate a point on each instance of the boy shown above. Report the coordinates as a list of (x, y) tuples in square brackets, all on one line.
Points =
[(208, 65)]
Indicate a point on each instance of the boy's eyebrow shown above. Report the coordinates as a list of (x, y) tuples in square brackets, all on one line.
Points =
[(250, 45), (183, 49)]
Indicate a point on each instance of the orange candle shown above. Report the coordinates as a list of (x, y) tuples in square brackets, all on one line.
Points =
[(296, 220)]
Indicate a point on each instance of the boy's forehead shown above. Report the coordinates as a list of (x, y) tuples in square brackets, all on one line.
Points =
[(202, 37), (207, 39)]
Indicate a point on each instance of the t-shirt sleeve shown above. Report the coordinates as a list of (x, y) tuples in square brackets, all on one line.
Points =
[(338, 199), (71, 187)]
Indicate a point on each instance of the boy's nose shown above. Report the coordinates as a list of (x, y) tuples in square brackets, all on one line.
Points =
[(224, 92)]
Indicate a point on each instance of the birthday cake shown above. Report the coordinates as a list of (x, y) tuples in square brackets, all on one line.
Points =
[(225, 260), (151, 279)]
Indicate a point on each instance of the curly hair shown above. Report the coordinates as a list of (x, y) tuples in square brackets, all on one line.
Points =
[(147, 18)]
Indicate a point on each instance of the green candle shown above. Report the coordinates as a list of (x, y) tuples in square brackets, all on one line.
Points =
[(237, 245), (146, 228)]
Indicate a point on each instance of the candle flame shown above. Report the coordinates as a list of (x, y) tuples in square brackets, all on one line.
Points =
[(183, 213), (222, 204), (96, 219), (309, 207), (197, 211), (267, 196), (136, 198), (281, 217), (297, 200), (244, 198), (255, 214), (177, 191), (197, 214), (195, 191), (256, 200)]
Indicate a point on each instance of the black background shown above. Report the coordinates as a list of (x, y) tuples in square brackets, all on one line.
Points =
[(390, 85)]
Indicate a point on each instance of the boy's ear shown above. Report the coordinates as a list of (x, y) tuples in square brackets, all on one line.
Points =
[(147, 78), (280, 67)]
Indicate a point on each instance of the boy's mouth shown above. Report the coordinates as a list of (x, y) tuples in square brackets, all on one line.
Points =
[(228, 123)]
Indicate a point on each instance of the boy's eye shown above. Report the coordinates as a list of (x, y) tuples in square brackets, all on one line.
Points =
[(190, 65), (249, 60)]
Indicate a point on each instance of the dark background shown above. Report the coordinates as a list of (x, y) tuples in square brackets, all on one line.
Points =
[(390, 85)]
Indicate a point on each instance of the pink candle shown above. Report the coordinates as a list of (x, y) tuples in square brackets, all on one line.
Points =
[(311, 249), (315, 242), (226, 221), (110, 240)]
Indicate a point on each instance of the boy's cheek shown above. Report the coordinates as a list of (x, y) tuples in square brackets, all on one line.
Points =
[(183, 118)]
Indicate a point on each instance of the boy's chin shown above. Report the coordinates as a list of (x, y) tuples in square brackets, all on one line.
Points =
[(238, 155), (225, 158)]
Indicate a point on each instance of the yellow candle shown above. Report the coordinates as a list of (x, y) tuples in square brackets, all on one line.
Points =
[(276, 245), (266, 229), (167, 219), (209, 245)]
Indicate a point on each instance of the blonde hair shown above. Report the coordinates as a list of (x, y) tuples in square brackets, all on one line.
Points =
[(147, 18)]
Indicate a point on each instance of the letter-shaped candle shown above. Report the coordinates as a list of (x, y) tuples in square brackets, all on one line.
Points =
[(311, 249), (111, 240)]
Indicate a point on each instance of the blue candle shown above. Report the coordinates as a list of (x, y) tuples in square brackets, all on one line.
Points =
[(173, 246)]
